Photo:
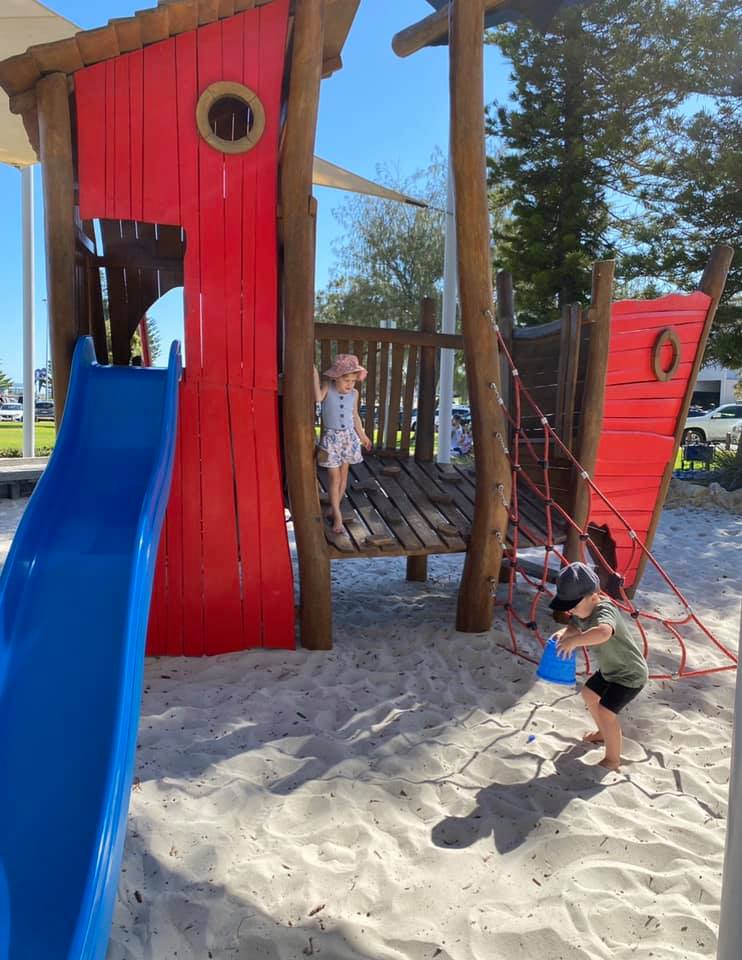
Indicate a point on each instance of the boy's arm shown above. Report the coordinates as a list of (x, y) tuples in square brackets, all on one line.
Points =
[(320, 392), (359, 426), (571, 638)]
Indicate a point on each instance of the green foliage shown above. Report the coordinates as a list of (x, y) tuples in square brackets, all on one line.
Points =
[(391, 254), (5, 381), (598, 99)]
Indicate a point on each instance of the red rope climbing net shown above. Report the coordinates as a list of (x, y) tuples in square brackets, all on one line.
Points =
[(522, 614)]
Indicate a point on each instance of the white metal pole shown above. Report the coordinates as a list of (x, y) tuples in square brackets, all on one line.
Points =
[(29, 314), (730, 921), (450, 294)]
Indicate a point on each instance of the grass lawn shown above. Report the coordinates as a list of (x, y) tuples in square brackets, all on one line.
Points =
[(11, 438)]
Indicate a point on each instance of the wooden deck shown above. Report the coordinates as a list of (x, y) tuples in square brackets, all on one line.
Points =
[(398, 507)]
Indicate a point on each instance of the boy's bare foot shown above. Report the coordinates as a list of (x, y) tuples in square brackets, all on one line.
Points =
[(595, 737), (609, 764)]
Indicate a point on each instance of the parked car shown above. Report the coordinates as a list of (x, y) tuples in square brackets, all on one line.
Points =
[(12, 412), (44, 410), (714, 425), (461, 411)]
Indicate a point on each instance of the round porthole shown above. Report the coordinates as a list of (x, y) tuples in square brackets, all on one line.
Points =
[(230, 117)]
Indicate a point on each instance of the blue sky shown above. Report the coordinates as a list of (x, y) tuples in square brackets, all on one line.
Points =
[(377, 109)]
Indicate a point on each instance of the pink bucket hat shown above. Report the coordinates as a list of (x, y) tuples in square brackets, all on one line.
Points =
[(344, 364)]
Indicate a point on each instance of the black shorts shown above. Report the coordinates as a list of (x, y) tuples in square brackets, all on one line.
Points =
[(613, 696)]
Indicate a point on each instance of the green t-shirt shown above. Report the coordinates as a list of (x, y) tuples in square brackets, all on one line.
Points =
[(619, 659)]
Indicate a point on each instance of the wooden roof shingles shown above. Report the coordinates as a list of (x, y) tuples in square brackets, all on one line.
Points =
[(20, 74)]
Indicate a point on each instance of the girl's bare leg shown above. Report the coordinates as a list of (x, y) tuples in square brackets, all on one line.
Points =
[(334, 481), (344, 480), (608, 732)]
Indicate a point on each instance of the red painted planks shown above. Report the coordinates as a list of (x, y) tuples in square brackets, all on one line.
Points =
[(122, 143), (656, 314), (160, 191), (189, 140), (222, 609), (136, 135), (662, 425), (277, 593), (645, 339), (110, 138), (273, 25), (623, 383), (193, 626), (90, 99), (641, 449), (174, 624), (242, 416), (252, 164), (211, 230), (646, 409), (156, 628)]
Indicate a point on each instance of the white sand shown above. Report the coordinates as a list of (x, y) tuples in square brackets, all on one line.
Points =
[(383, 801)]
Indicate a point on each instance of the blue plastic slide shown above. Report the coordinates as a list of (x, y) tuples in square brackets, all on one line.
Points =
[(74, 602)]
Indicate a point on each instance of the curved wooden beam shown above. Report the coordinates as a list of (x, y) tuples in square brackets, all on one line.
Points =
[(491, 504), (298, 230), (431, 29)]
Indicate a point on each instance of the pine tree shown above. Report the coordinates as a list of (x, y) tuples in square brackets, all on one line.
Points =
[(591, 97)]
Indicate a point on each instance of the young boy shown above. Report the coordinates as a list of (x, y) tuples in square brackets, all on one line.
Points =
[(622, 669)]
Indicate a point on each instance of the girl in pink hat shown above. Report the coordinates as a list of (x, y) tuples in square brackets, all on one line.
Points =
[(342, 430)]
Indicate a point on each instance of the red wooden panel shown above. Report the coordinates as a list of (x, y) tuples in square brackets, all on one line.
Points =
[(248, 511), (273, 25), (90, 99), (193, 626), (211, 235), (277, 594), (122, 142), (188, 145), (110, 139), (222, 608), (156, 628), (644, 448), (234, 166), (687, 333), (252, 164), (136, 136), (640, 370), (613, 487), (663, 312), (655, 390), (161, 195), (663, 425), (174, 626), (646, 409)]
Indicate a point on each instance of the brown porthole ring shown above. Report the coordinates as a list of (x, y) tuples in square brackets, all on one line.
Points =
[(668, 335), (227, 90)]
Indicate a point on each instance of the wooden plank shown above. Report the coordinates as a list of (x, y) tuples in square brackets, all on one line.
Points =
[(387, 509), (128, 33), (110, 139), (235, 224), (174, 623), (122, 142), (90, 98), (370, 390), (277, 582), (644, 409), (422, 499), (98, 45), (246, 453), (395, 395), (222, 609), (193, 589), (435, 515), (326, 354), (153, 25), (425, 427), (663, 425), (251, 166), (161, 163), (669, 311), (57, 178), (409, 398), (342, 346), (398, 496), (342, 331), (157, 623), (383, 393), (136, 133), (366, 510), (462, 494), (655, 390)]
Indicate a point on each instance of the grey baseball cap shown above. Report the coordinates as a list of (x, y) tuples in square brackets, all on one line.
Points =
[(574, 582)]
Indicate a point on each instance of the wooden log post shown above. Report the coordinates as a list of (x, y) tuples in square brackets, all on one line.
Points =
[(712, 282), (417, 567), (492, 499), (593, 398), (431, 29), (298, 228), (55, 146), (505, 321)]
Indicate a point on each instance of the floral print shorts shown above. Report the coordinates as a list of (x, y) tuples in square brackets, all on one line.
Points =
[(339, 446)]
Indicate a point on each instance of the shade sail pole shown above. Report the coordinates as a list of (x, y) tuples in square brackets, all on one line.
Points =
[(450, 294), (29, 313)]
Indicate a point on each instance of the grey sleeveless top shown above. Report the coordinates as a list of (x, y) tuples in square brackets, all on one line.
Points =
[(337, 409)]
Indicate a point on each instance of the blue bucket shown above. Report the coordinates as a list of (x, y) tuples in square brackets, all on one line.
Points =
[(555, 669)]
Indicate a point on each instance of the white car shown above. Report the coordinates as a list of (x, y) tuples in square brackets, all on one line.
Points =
[(12, 412), (714, 425)]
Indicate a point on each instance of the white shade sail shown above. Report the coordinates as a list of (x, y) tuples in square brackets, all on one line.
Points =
[(24, 23), (326, 174)]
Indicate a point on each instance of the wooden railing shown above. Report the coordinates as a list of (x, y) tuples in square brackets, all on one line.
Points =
[(401, 378)]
